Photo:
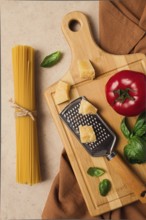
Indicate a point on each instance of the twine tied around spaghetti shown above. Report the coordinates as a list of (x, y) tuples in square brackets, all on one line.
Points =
[(22, 112)]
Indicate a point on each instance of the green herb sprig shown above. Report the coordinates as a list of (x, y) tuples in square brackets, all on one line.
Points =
[(51, 59), (135, 150), (95, 171), (104, 187)]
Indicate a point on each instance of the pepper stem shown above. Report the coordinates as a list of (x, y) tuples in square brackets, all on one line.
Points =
[(123, 95)]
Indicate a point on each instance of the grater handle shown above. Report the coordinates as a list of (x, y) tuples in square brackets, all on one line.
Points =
[(129, 177)]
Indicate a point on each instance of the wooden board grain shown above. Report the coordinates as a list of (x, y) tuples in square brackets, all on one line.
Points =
[(84, 47)]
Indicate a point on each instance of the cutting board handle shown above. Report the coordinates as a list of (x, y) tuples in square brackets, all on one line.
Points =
[(80, 40), (129, 177)]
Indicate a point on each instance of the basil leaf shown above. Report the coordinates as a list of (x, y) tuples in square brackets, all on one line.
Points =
[(144, 138), (51, 59), (135, 151), (140, 122), (95, 171), (141, 131), (124, 128), (104, 187)]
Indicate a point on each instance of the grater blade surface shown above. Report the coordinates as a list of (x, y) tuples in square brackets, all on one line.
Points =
[(105, 137)]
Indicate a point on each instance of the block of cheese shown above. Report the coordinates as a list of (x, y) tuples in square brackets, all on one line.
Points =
[(87, 134), (86, 69), (62, 92), (87, 108)]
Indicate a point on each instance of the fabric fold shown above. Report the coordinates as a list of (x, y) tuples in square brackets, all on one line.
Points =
[(65, 200), (119, 32), (142, 22)]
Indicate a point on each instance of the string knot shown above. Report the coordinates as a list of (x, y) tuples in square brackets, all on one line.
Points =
[(22, 112)]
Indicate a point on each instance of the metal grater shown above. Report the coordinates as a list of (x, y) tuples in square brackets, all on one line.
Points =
[(105, 137)]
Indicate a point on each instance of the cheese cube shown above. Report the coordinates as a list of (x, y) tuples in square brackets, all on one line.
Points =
[(87, 108), (86, 69), (62, 92), (87, 134)]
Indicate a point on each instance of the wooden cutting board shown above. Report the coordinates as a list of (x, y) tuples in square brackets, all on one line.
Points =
[(83, 47)]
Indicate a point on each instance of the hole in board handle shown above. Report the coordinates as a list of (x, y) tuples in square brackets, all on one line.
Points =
[(143, 194), (74, 25)]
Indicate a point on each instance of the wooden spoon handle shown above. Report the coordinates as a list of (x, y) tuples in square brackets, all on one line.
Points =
[(129, 178)]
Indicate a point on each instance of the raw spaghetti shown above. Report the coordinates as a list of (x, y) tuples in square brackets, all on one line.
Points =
[(27, 151)]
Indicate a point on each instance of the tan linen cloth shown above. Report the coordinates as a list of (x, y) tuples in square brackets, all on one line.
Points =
[(122, 26)]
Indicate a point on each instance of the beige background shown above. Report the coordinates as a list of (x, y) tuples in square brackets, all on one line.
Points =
[(37, 24)]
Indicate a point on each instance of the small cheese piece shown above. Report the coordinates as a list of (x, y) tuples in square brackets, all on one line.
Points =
[(87, 108), (86, 69), (62, 92), (87, 134)]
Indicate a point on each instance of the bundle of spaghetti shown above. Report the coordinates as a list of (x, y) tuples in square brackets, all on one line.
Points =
[(27, 150)]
